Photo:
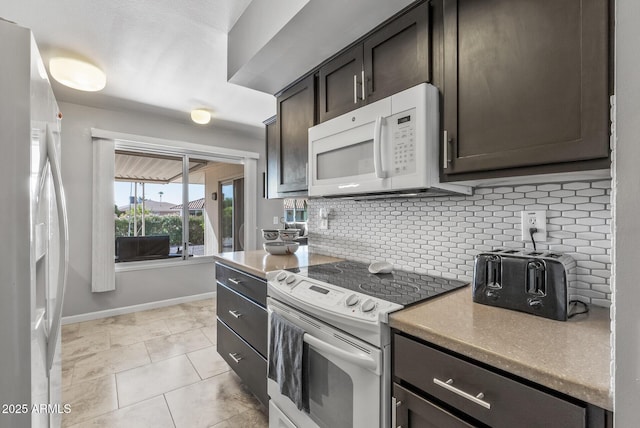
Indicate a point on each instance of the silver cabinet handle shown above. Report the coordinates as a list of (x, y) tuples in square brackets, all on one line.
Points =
[(363, 88), (355, 89), (394, 412), (234, 356), (445, 151), (235, 281), (477, 399), (235, 314)]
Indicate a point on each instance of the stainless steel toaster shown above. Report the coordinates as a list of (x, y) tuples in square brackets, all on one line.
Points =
[(536, 282)]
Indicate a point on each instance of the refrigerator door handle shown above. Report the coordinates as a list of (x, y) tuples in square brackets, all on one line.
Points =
[(63, 242)]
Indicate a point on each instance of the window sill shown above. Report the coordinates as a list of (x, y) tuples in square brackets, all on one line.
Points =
[(161, 264)]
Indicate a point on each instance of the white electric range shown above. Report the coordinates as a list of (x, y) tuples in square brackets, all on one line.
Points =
[(343, 310)]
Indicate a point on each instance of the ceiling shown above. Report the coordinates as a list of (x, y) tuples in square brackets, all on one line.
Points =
[(161, 56)]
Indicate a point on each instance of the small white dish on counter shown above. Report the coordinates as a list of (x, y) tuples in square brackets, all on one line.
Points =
[(281, 248), (270, 234), (288, 234), (380, 267)]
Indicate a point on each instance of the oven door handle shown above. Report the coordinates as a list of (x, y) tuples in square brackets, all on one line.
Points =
[(357, 359)]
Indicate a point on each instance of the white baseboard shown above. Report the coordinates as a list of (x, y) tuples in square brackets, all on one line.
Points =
[(135, 308)]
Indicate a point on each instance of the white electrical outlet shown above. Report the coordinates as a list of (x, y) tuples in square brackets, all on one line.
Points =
[(276, 220), (535, 219)]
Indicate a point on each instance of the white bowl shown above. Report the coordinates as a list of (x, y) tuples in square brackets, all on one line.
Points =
[(280, 248), (289, 234)]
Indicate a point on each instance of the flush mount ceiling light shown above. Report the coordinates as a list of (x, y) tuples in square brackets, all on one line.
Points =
[(200, 116), (77, 74)]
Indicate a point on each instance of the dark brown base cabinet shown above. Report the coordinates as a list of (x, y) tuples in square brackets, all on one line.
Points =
[(242, 327), (525, 86), (435, 388)]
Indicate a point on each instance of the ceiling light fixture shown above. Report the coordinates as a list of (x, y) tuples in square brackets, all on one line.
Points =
[(77, 74), (200, 116)]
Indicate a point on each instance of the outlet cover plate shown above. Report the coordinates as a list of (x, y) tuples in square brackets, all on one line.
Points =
[(537, 219)]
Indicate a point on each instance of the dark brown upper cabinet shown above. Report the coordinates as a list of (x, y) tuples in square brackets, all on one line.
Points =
[(296, 113), (525, 85), (340, 84), (392, 58)]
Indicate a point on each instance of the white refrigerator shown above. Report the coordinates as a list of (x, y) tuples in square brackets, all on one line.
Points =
[(34, 243)]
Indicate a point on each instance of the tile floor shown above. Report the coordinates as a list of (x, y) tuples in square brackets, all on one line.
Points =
[(156, 368)]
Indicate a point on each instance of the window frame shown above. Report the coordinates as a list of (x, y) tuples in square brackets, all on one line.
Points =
[(152, 145)]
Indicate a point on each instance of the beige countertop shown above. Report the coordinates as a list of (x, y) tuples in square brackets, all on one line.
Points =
[(259, 262), (571, 357)]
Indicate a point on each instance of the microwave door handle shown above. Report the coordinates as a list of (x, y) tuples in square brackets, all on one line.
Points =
[(377, 148)]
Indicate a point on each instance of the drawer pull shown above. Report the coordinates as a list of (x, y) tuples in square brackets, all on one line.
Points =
[(235, 314), (394, 412), (478, 399), (234, 356), (235, 281)]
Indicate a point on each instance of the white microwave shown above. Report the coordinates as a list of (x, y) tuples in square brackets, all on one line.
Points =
[(389, 146)]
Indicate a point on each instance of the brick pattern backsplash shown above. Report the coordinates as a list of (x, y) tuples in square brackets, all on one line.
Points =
[(441, 235)]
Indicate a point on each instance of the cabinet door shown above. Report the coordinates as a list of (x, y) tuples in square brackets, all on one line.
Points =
[(525, 83), (414, 411), (396, 57), (340, 84), (296, 114)]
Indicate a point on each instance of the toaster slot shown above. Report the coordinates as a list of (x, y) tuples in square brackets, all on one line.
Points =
[(493, 272), (536, 278)]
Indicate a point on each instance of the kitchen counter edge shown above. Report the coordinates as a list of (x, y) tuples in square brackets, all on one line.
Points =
[(259, 262)]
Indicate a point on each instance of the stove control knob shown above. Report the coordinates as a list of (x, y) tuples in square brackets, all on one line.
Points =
[(290, 280), (368, 305), (352, 300), (281, 276)]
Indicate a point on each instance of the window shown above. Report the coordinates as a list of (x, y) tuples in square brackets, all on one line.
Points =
[(202, 168), (151, 218), (295, 210)]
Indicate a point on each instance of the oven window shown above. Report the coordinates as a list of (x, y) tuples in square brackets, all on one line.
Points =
[(353, 160), (330, 392)]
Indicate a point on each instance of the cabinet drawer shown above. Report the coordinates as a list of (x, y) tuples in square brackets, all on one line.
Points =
[(246, 318), (414, 411), (244, 360), (504, 403), (245, 284)]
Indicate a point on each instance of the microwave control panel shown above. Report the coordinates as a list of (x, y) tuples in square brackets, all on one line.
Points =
[(402, 127)]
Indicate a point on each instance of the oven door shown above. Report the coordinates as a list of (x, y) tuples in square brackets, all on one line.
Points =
[(346, 154), (344, 377)]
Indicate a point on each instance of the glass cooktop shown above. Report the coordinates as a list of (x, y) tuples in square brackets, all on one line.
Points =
[(401, 287)]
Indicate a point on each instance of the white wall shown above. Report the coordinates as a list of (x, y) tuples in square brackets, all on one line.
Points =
[(626, 202), (147, 285)]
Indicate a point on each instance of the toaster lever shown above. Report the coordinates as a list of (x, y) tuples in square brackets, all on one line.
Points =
[(535, 278), (493, 272)]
